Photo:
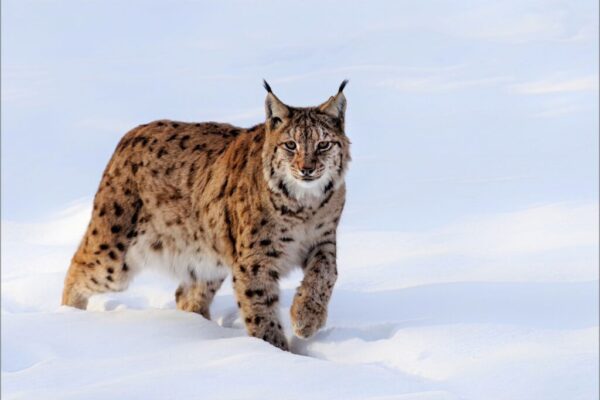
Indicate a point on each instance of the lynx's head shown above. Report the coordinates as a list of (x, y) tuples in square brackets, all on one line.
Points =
[(306, 149)]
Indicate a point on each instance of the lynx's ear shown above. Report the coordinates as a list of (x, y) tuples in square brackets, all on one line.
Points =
[(336, 105), (275, 110)]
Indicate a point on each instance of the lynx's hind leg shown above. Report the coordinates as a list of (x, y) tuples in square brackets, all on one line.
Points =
[(197, 297), (99, 264)]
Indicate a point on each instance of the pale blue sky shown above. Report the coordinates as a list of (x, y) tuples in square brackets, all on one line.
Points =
[(454, 108)]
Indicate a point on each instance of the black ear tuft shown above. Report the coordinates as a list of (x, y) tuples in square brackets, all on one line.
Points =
[(342, 86), (267, 87)]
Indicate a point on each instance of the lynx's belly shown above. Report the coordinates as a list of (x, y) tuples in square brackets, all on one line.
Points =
[(169, 252)]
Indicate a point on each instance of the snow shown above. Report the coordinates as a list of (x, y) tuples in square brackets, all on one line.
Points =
[(501, 306)]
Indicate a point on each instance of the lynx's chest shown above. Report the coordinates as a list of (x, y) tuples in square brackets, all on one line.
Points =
[(297, 241)]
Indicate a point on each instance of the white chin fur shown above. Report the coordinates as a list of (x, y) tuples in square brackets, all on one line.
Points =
[(307, 190)]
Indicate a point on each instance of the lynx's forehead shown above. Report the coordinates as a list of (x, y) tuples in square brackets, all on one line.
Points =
[(306, 125), (307, 134)]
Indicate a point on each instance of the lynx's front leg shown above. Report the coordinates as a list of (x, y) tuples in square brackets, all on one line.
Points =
[(309, 310), (256, 285)]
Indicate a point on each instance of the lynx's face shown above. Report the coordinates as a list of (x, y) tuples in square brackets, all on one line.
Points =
[(307, 151)]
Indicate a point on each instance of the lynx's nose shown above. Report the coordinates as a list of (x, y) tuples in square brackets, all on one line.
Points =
[(307, 171)]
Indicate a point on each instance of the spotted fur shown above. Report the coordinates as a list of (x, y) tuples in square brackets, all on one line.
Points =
[(201, 200)]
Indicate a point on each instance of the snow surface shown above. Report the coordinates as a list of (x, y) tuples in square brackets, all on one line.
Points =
[(501, 306)]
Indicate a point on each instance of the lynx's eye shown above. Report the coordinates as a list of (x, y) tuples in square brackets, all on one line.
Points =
[(290, 145), (324, 146)]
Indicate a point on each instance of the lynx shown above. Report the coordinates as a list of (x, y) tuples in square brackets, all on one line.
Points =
[(201, 200)]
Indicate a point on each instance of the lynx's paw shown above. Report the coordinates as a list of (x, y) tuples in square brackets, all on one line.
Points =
[(274, 335), (307, 315), (267, 329)]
